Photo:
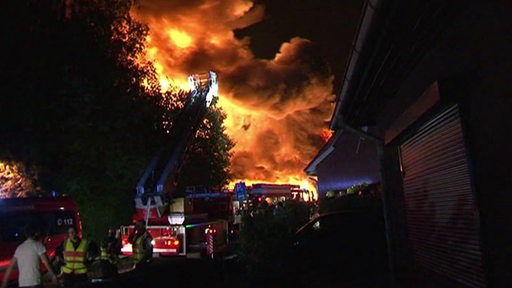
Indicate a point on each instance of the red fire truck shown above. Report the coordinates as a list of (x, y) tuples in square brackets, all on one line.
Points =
[(181, 225), (198, 224), (53, 215), (275, 192)]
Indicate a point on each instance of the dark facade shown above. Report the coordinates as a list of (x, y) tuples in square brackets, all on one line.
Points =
[(347, 159), (434, 81)]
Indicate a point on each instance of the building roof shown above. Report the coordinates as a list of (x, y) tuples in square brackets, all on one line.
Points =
[(392, 37)]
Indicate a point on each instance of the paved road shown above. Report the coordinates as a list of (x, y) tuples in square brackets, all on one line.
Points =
[(192, 273), (181, 272)]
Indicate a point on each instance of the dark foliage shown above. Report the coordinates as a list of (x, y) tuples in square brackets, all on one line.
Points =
[(207, 161), (266, 237), (359, 197)]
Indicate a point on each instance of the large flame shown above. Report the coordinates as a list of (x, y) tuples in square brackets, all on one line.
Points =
[(276, 109)]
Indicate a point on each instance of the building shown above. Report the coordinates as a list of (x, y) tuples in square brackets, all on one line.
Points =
[(347, 159), (433, 80)]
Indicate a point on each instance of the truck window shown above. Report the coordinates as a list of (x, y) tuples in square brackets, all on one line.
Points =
[(50, 223)]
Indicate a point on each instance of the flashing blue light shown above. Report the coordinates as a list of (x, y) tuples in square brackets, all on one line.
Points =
[(54, 193)]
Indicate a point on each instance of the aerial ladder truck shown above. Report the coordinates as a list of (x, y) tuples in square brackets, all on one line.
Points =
[(177, 227)]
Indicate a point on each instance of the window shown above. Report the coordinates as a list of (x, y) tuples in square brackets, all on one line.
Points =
[(50, 223)]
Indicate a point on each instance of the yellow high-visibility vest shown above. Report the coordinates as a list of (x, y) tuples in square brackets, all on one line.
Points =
[(137, 248), (75, 258), (104, 255)]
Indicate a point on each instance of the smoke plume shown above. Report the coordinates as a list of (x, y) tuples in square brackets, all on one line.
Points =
[(276, 108)]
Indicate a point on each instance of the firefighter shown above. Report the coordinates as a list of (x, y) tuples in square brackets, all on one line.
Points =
[(105, 254), (113, 242), (142, 247), (111, 247), (76, 254), (107, 266)]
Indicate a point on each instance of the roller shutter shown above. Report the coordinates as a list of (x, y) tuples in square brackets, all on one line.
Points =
[(442, 220)]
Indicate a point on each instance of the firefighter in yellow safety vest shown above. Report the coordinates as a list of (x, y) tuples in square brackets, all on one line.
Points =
[(109, 248), (105, 256), (76, 253), (142, 247)]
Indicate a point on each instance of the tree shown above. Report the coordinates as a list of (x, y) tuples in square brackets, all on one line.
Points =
[(16, 180), (208, 158)]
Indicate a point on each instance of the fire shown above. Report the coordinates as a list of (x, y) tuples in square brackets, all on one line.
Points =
[(326, 134), (276, 109), (180, 38)]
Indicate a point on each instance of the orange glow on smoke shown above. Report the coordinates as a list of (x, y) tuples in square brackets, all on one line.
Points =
[(276, 109)]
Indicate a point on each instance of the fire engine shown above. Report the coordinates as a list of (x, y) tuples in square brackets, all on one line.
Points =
[(275, 192), (53, 215), (195, 223)]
